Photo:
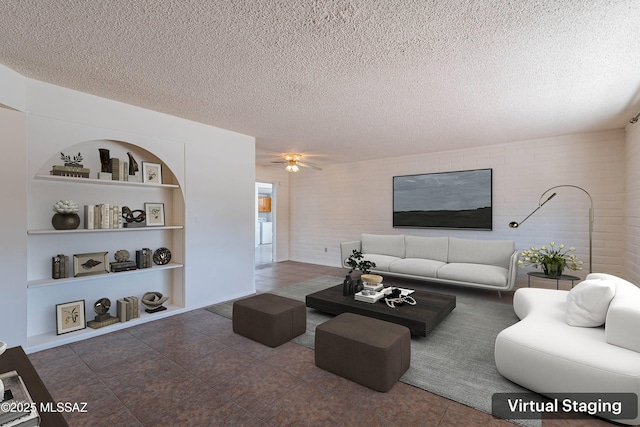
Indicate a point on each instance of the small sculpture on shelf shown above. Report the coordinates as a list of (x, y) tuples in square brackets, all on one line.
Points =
[(75, 162), (72, 167), (162, 256), (102, 318), (133, 165), (66, 215), (133, 218), (123, 263), (101, 307), (105, 162), (152, 302)]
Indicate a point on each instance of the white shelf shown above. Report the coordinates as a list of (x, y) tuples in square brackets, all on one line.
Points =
[(44, 341), (103, 181), (104, 230), (54, 282)]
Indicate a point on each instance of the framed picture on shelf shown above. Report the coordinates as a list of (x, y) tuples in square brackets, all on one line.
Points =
[(155, 214), (70, 317), (152, 172), (88, 264)]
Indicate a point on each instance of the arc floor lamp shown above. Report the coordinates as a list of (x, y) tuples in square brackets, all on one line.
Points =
[(541, 203)]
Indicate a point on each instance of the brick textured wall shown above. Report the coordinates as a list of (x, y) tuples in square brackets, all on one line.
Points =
[(344, 200)]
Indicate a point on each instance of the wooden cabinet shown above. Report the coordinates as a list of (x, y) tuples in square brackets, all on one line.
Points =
[(264, 204), (43, 292)]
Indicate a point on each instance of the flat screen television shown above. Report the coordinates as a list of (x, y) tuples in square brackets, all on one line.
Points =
[(460, 200)]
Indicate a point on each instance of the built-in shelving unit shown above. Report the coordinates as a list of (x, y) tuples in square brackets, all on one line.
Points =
[(44, 292)]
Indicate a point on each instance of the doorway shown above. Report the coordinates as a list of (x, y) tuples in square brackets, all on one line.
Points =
[(265, 219)]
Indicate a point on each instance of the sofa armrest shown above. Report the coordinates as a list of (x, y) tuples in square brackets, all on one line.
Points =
[(346, 249), (513, 270)]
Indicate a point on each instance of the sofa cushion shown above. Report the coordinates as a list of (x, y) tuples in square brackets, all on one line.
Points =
[(588, 301), (416, 267), (435, 248), (623, 318), (382, 261), (474, 273), (392, 245), (490, 252)]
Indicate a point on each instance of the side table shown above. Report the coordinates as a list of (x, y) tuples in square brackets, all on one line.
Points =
[(541, 275), (15, 359)]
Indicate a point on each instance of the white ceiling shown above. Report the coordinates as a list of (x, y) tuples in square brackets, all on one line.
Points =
[(344, 80)]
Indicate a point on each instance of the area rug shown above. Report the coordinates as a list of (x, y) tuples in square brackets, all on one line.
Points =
[(455, 361)]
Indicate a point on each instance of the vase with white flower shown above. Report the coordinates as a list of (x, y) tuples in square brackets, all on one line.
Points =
[(66, 215), (553, 259)]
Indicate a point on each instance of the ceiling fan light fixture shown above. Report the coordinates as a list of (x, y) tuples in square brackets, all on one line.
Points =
[(292, 166), (292, 162)]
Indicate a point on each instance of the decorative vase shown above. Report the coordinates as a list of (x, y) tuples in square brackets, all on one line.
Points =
[(553, 269), (65, 221), (347, 286), (358, 286)]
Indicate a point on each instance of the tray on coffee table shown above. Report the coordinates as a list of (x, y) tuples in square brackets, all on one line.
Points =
[(430, 309)]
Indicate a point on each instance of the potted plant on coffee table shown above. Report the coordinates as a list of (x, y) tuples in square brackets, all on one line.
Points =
[(357, 262)]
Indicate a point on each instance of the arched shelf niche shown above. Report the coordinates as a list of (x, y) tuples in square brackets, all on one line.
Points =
[(44, 242)]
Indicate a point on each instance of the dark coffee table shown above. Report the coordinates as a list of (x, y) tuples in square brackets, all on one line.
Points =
[(430, 309), (15, 359)]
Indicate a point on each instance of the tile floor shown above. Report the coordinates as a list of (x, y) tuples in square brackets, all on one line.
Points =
[(192, 370)]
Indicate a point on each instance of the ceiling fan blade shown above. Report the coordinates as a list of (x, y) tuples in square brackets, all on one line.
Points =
[(309, 165)]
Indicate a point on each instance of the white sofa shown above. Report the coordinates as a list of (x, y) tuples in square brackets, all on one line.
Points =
[(490, 264), (547, 355)]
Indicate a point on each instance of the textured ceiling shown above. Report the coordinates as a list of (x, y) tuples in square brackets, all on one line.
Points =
[(342, 80)]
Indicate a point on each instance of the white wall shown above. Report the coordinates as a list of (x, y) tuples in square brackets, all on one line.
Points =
[(280, 207), (219, 195), (14, 89), (633, 202), (344, 200), (13, 243)]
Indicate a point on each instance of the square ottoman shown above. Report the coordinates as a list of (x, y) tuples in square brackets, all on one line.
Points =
[(269, 319), (368, 351)]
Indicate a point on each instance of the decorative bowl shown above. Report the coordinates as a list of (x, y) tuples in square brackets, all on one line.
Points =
[(371, 279)]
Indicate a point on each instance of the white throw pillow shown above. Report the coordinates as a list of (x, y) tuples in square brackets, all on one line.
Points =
[(588, 302)]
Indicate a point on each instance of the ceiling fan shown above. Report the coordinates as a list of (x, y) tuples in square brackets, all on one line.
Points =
[(292, 160)]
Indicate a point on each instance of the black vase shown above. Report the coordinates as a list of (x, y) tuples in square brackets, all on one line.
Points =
[(347, 286), (358, 286), (65, 221)]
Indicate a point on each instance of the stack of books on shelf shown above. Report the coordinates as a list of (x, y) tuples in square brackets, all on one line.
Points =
[(102, 216), (144, 258), (17, 408), (119, 170), (59, 267), (72, 171), (96, 324), (128, 308), (117, 267)]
